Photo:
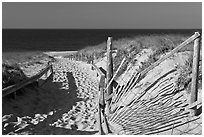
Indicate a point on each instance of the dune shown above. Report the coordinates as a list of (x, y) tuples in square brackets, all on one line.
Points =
[(133, 116), (66, 102)]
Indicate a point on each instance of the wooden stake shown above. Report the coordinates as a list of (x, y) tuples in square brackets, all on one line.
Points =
[(109, 70), (99, 119), (115, 73), (101, 103), (195, 73)]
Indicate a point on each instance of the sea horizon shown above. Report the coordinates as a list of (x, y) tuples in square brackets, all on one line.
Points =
[(15, 40)]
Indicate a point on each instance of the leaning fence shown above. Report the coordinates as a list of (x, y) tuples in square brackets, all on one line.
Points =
[(14, 88), (128, 107)]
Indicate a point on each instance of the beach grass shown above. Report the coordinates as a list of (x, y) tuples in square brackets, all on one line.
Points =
[(154, 41), (130, 47), (21, 57), (125, 47), (12, 63), (11, 74)]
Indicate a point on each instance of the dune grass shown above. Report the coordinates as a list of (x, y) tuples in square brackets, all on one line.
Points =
[(12, 63), (130, 47), (140, 42), (11, 74), (185, 75), (23, 57)]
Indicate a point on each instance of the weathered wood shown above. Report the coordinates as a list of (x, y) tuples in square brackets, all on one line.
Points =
[(10, 89), (109, 97), (99, 115), (98, 70), (101, 72), (48, 74), (110, 82), (101, 103), (114, 83), (101, 90), (109, 70), (171, 53), (134, 79), (51, 69), (131, 119), (106, 125), (195, 73)]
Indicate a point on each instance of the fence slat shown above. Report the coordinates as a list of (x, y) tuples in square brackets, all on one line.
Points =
[(109, 70), (195, 74), (101, 103), (10, 89), (98, 70), (110, 82)]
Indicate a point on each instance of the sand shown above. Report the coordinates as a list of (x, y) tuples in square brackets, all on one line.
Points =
[(165, 73), (65, 104), (59, 54)]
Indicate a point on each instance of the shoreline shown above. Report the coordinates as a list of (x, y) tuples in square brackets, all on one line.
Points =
[(58, 53)]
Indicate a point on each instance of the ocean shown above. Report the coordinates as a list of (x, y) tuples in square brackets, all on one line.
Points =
[(15, 40)]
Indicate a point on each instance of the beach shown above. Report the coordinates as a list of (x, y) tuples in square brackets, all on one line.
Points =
[(101, 68), (65, 104)]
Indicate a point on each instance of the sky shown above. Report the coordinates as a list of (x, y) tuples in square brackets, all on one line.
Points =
[(106, 15)]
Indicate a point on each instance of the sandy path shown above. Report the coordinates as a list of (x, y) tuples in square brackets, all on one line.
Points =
[(65, 104)]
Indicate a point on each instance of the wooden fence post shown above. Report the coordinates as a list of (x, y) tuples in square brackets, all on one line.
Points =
[(109, 71), (101, 103), (195, 73)]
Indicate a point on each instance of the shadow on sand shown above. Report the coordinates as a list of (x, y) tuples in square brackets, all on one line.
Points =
[(43, 99)]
